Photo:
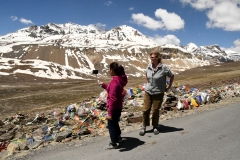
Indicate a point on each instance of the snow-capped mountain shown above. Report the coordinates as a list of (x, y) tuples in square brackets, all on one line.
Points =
[(69, 35), (60, 51), (233, 55), (190, 47)]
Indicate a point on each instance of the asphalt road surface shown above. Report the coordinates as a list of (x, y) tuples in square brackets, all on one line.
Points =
[(213, 134)]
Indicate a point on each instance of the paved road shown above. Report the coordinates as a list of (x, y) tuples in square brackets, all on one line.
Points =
[(213, 134)]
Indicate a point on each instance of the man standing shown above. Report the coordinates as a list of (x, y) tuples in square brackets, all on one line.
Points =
[(156, 76)]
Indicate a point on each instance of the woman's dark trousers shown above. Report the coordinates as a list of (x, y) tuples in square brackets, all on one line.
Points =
[(113, 126)]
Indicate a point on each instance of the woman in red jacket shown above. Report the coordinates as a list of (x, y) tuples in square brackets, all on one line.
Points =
[(115, 102)]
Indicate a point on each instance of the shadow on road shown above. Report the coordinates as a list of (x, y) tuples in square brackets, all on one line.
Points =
[(129, 143), (165, 129)]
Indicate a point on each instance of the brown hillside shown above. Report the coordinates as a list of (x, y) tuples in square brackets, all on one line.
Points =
[(211, 76), (27, 94)]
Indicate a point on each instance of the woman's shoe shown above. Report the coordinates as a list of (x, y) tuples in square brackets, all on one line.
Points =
[(155, 131), (142, 131), (111, 146)]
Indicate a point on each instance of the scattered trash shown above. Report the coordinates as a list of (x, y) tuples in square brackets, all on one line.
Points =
[(3, 145)]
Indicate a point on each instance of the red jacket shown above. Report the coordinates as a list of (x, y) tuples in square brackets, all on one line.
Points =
[(114, 90)]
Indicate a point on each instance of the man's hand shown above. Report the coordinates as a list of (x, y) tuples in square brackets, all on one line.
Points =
[(109, 117), (167, 89)]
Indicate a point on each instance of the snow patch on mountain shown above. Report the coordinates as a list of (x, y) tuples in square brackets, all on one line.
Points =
[(190, 47), (70, 50)]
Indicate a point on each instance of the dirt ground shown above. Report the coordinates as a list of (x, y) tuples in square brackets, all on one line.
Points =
[(28, 95)]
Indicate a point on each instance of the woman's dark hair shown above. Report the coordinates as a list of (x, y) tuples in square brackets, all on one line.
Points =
[(117, 68)]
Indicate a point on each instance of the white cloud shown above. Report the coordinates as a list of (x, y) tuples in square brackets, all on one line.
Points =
[(235, 48), (101, 25), (25, 21), (108, 3), (171, 21), (168, 39), (237, 42), (221, 13), (131, 8), (224, 15), (14, 18), (200, 4), (236, 45), (147, 21), (168, 21)]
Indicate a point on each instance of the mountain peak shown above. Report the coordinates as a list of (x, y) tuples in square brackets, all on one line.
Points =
[(190, 47)]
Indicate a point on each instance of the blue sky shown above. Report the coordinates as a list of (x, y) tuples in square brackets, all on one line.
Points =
[(179, 22)]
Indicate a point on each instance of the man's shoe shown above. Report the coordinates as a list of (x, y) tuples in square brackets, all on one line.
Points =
[(155, 131), (111, 146), (142, 131)]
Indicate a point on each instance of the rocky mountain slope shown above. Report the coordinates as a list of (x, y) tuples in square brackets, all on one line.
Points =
[(72, 51)]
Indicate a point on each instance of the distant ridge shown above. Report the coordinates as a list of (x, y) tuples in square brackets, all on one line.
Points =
[(72, 51)]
